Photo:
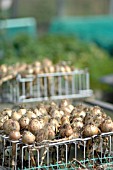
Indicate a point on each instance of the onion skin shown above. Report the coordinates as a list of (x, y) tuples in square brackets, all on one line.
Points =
[(96, 110), (54, 123), (68, 132), (77, 119), (24, 122), (14, 135), (77, 126), (64, 103), (2, 120), (16, 115), (22, 111), (28, 137), (34, 126), (107, 126), (7, 111), (30, 114), (64, 119), (10, 125), (90, 130)]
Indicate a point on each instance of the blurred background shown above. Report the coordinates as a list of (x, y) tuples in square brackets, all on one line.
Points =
[(79, 31)]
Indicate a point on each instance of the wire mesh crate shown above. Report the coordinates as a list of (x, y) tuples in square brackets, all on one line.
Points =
[(85, 153), (47, 86)]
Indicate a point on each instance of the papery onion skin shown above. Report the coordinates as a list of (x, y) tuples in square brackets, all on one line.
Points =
[(10, 125), (28, 137), (90, 130), (14, 135), (107, 126)]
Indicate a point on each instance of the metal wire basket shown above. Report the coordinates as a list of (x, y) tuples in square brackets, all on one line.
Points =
[(86, 153), (48, 86)]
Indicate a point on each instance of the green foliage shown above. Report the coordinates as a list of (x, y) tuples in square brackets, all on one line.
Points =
[(58, 48)]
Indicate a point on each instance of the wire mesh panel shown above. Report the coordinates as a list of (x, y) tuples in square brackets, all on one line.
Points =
[(89, 153), (59, 85)]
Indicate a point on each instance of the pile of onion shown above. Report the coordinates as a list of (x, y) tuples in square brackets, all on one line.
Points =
[(52, 120)]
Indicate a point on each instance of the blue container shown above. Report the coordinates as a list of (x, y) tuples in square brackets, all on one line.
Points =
[(12, 27), (97, 29)]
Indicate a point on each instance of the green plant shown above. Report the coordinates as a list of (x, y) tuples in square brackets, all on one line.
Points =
[(58, 48)]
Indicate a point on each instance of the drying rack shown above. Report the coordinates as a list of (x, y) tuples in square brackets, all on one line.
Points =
[(47, 86), (59, 153)]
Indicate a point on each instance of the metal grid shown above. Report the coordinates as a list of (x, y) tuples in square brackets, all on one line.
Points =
[(48, 86), (59, 153)]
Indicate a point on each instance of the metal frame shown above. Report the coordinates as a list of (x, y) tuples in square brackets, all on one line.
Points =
[(45, 152), (47, 86)]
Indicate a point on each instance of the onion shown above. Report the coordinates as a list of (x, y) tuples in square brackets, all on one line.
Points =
[(22, 111), (66, 130), (24, 122), (64, 103), (61, 112), (14, 135), (81, 107), (77, 119), (10, 125), (88, 119), (16, 115), (43, 110), (104, 115), (34, 126), (37, 112), (82, 114), (67, 68), (98, 119), (43, 121), (62, 69), (64, 119), (30, 70), (37, 64), (51, 69), (30, 114), (77, 125), (71, 107), (2, 120), (107, 126), (66, 110), (69, 130), (55, 125), (53, 104), (36, 70), (90, 130), (55, 113), (4, 68), (74, 111), (28, 137), (7, 111), (46, 62), (65, 122), (96, 110)]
